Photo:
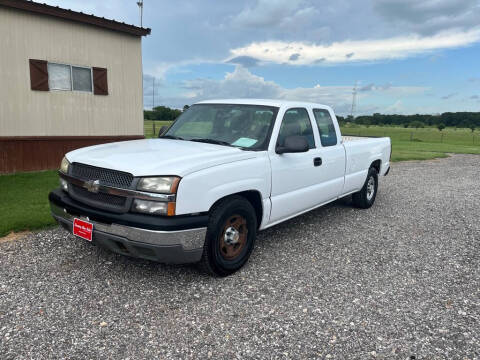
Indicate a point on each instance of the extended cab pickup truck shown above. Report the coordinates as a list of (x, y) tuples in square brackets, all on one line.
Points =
[(223, 171)]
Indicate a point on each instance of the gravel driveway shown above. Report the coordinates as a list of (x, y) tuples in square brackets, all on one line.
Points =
[(401, 280)]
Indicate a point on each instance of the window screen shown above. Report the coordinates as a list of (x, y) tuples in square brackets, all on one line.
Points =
[(296, 122), (59, 77), (82, 78), (328, 135), (68, 77)]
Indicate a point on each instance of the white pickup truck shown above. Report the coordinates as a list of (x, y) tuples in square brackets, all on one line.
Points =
[(223, 171)]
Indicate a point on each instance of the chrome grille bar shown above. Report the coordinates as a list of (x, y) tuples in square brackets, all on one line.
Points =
[(118, 191)]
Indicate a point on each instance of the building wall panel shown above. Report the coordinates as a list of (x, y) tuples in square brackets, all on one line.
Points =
[(26, 113), (43, 153)]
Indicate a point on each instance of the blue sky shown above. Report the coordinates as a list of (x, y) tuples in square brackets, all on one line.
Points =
[(406, 56)]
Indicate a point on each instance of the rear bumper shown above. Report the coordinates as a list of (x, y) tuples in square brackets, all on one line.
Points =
[(179, 246)]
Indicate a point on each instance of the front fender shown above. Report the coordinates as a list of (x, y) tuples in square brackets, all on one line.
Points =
[(198, 191)]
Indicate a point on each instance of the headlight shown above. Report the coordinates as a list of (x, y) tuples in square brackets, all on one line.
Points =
[(163, 185), (154, 207), (64, 165)]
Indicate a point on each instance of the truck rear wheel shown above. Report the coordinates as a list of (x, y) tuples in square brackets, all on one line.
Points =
[(231, 234), (366, 197)]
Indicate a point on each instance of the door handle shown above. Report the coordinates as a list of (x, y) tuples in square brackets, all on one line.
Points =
[(317, 161)]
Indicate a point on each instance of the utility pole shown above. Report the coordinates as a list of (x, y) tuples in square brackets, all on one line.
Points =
[(140, 5), (153, 96), (354, 100)]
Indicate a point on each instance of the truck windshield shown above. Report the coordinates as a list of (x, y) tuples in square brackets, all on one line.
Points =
[(244, 126)]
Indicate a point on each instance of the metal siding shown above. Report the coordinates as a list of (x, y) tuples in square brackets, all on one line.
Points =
[(24, 112)]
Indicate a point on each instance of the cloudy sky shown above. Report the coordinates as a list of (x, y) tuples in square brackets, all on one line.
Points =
[(407, 56)]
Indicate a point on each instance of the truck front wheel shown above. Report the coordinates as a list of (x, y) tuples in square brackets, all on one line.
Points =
[(366, 197), (231, 234)]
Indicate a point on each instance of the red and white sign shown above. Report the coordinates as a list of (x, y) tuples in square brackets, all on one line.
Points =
[(83, 229)]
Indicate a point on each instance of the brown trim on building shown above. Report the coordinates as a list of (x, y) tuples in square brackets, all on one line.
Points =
[(100, 83), (75, 16), (33, 153), (38, 75)]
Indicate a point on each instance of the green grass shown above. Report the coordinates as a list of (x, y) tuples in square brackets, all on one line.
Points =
[(24, 201), (424, 143), (149, 127)]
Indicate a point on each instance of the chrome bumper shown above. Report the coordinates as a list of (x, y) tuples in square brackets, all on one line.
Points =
[(191, 241)]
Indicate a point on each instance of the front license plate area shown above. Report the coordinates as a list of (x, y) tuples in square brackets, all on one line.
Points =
[(83, 229)]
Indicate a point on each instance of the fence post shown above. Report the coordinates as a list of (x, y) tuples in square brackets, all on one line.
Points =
[(153, 127), (441, 139)]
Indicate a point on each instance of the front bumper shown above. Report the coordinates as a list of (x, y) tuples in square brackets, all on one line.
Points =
[(182, 241)]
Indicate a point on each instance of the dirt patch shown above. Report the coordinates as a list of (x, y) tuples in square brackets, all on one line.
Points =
[(14, 236)]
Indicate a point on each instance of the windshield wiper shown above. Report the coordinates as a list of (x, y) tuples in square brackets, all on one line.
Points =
[(213, 141), (172, 137)]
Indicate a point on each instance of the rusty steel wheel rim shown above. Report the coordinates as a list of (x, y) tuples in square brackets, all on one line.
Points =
[(233, 237)]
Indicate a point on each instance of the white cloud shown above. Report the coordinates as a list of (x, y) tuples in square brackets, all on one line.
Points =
[(430, 16), (354, 51), (273, 13), (395, 108), (241, 83)]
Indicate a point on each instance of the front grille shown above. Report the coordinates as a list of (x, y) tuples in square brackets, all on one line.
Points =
[(100, 200), (106, 176)]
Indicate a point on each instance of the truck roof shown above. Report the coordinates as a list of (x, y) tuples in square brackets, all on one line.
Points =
[(266, 102)]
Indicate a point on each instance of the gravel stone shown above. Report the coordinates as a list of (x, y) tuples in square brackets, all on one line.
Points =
[(400, 280)]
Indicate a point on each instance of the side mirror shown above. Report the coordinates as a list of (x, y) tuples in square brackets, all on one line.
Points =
[(162, 130), (293, 144)]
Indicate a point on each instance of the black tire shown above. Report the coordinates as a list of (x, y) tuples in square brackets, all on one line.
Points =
[(364, 199), (219, 257)]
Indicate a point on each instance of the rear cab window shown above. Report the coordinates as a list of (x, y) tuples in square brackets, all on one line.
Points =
[(326, 128)]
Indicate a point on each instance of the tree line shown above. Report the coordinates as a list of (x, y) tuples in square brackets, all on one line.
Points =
[(163, 113), (470, 120)]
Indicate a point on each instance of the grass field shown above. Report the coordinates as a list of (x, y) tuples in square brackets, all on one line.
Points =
[(24, 202), (150, 125), (407, 143), (423, 143)]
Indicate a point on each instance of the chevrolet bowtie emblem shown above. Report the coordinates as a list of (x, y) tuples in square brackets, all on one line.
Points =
[(92, 186)]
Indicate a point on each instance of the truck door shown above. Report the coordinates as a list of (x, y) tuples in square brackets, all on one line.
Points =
[(294, 175), (331, 173)]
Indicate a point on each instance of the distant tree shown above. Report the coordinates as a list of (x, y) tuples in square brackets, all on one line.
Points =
[(416, 124), (162, 113), (460, 119), (186, 107), (441, 126)]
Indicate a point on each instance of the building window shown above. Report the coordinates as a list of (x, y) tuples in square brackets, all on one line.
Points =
[(81, 78), (45, 76), (69, 77)]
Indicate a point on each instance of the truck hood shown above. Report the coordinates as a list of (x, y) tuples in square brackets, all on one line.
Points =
[(153, 157)]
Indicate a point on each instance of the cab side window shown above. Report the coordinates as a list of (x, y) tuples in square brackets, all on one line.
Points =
[(328, 135), (296, 122)]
